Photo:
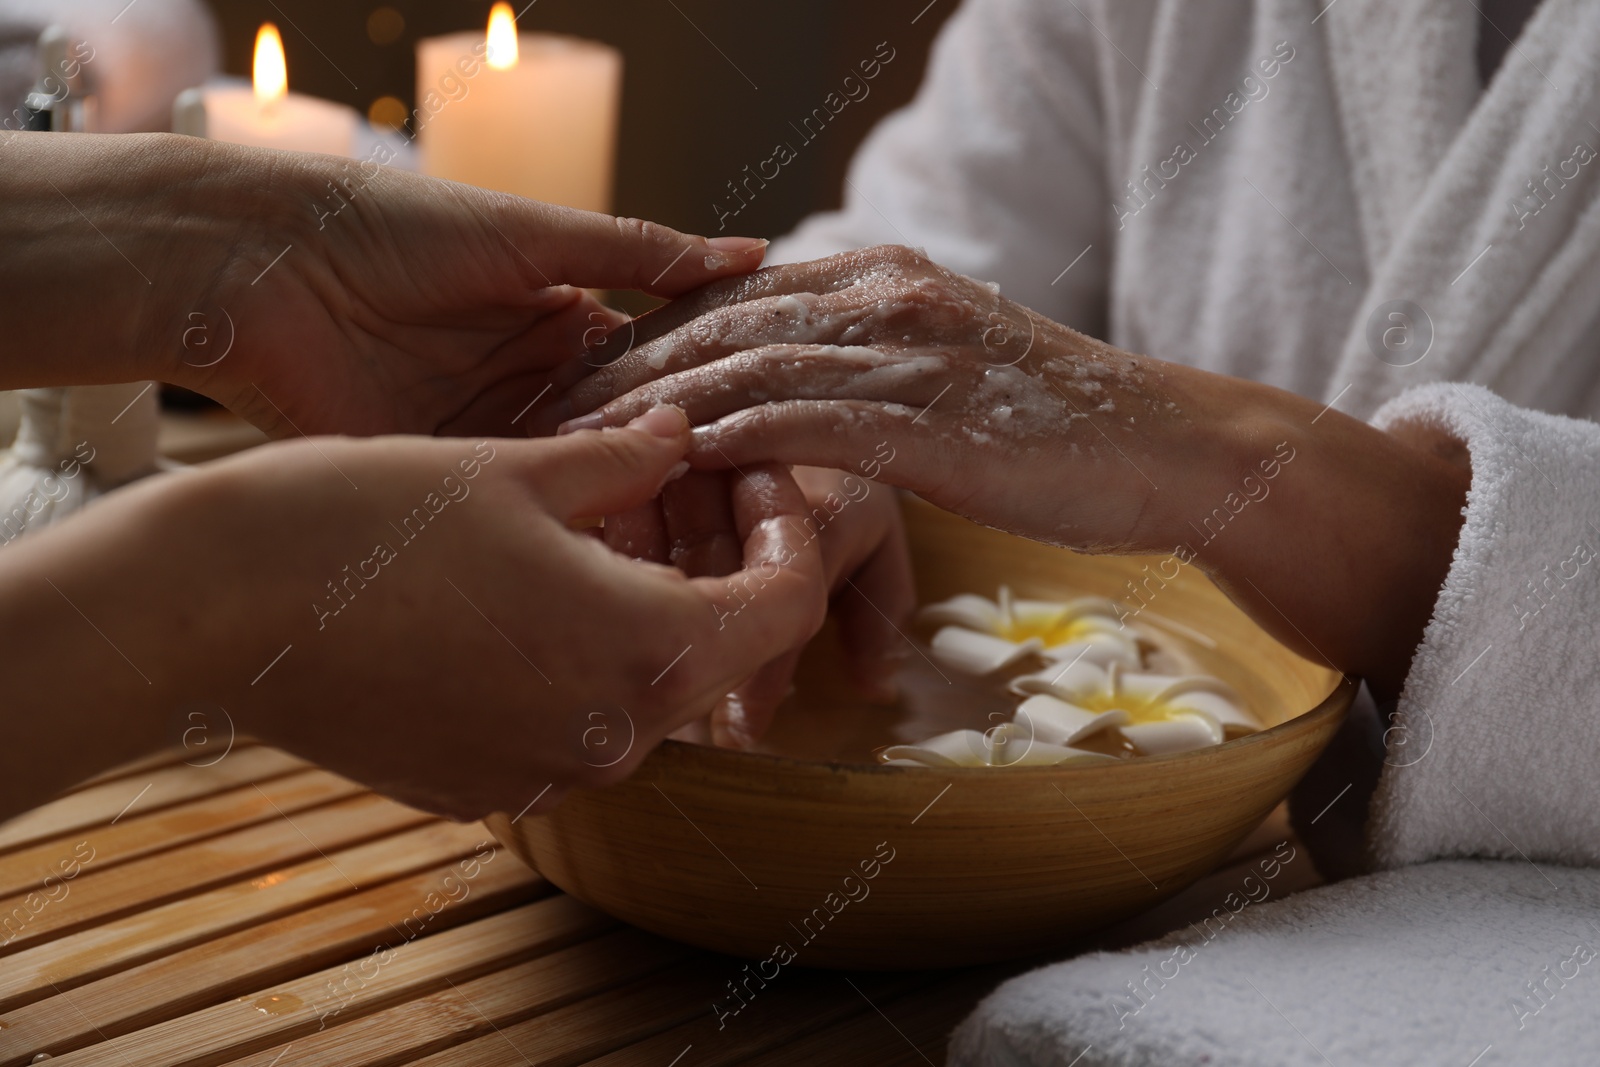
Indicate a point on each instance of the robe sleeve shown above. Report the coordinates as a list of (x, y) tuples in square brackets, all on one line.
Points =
[(1495, 750), (996, 168)]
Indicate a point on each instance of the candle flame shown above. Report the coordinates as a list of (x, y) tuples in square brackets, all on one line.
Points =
[(269, 74), (502, 51)]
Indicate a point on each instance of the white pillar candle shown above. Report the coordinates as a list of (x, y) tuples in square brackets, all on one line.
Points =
[(530, 114), (267, 115)]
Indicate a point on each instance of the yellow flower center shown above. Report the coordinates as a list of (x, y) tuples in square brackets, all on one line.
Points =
[(1049, 631), (1138, 710)]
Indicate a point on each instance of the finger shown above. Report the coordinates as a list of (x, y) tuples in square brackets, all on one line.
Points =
[(742, 717), (927, 309), (565, 246), (789, 372), (892, 443), (639, 533), (552, 407), (876, 294), (872, 610), (607, 472), (779, 598), (701, 536), (798, 318), (863, 266)]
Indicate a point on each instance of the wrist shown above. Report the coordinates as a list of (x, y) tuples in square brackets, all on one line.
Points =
[(1334, 535), (164, 233), (97, 219), (220, 560), (112, 615), (1200, 447), (245, 211)]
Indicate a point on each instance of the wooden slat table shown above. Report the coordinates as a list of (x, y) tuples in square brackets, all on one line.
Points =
[(264, 912)]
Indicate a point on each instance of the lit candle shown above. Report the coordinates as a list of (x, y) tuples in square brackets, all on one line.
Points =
[(267, 115), (534, 114)]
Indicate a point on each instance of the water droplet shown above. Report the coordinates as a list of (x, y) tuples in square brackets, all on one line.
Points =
[(279, 1004)]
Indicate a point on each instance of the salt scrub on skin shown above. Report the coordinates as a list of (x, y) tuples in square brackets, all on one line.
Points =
[(1094, 684), (796, 311), (791, 319), (1098, 372), (1031, 408)]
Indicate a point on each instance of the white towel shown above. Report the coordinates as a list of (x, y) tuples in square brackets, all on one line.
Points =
[(1472, 956), (1494, 751)]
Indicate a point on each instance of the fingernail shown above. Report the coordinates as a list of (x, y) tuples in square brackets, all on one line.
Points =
[(595, 420), (730, 724), (663, 420), (744, 245), (679, 469), (732, 251)]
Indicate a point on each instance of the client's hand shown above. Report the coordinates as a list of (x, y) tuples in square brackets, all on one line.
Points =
[(1021, 423), (416, 613), (823, 362)]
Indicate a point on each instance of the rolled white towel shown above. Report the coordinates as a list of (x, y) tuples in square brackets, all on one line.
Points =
[(1427, 965)]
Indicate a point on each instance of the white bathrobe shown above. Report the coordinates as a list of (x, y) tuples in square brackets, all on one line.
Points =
[(1321, 197)]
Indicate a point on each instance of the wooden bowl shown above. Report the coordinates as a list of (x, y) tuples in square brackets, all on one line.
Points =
[(843, 863)]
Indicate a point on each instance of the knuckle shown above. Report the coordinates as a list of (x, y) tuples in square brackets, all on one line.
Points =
[(895, 256), (926, 294), (621, 452), (728, 319), (644, 232), (595, 390), (773, 321), (926, 301), (752, 424), (773, 363)]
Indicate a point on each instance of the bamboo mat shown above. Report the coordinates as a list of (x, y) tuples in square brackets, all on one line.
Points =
[(263, 912)]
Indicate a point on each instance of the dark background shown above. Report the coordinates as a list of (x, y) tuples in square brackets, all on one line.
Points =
[(690, 121)]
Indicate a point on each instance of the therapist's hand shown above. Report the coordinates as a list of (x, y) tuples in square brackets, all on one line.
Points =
[(414, 613), (312, 294), (866, 563)]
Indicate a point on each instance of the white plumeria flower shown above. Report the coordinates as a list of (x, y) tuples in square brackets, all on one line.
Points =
[(1009, 745), (1156, 712), (980, 636)]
